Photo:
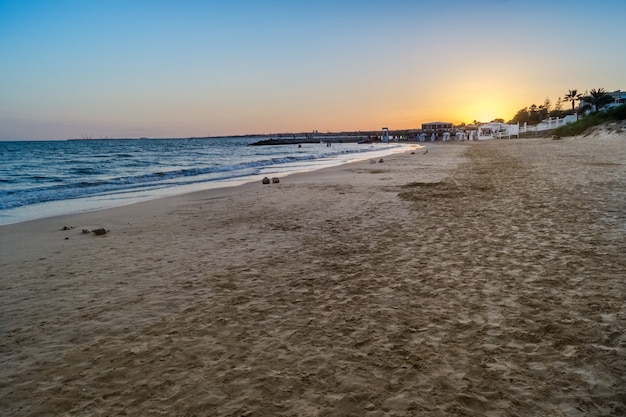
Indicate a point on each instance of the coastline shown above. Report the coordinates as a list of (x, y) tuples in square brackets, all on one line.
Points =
[(31, 203), (20, 236), (478, 279)]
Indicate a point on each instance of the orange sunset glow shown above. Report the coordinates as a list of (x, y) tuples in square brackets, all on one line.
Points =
[(175, 69)]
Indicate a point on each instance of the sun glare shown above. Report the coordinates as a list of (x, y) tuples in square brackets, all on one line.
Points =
[(486, 110)]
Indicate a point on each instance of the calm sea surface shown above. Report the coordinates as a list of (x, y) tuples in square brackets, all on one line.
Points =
[(47, 178)]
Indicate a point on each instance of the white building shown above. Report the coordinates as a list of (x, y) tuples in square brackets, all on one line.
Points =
[(385, 135), (619, 98), (496, 130)]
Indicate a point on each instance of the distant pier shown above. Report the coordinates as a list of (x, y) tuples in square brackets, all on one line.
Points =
[(315, 139)]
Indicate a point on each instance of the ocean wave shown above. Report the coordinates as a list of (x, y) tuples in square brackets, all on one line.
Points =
[(85, 171), (88, 181)]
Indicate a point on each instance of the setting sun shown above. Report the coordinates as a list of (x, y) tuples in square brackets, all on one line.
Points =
[(485, 109)]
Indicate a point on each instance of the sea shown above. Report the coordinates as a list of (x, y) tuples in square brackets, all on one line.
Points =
[(40, 179)]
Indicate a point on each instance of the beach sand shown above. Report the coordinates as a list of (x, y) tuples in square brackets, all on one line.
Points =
[(478, 279)]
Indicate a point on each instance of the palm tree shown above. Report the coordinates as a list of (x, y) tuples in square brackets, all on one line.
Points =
[(598, 98), (572, 95)]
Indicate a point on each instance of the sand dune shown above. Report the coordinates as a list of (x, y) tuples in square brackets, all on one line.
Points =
[(479, 279)]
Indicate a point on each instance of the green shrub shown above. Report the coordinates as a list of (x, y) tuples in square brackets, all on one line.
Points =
[(619, 113), (594, 119)]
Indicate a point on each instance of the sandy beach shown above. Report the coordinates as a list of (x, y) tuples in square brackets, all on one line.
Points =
[(477, 279)]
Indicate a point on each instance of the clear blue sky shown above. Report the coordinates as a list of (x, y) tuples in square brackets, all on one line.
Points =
[(131, 68)]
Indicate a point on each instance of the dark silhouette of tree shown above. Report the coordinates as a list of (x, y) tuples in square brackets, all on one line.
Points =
[(598, 98), (532, 115), (558, 106), (558, 109), (573, 96), (536, 113), (547, 105), (544, 109), (521, 116)]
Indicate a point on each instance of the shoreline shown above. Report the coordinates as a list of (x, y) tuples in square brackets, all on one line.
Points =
[(28, 233), (125, 197), (479, 278)]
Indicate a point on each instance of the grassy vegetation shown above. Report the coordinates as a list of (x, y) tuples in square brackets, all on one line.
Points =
[(594, 119)]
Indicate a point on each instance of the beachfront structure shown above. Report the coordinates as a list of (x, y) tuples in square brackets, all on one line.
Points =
[(461, 135), (436, 127), (435, 131), (385, 135), (619, 98), (495, 130), (549, 123)]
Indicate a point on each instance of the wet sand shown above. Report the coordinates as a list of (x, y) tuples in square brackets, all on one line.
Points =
[(478, 279)]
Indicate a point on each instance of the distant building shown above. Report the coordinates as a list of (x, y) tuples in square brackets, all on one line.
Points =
[(385, 135), (619, 98), (495, 130), (436, 127)]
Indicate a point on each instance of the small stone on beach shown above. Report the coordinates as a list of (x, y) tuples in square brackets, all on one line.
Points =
[(266, 180)]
